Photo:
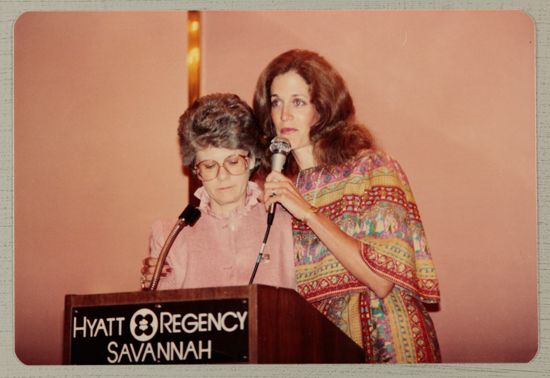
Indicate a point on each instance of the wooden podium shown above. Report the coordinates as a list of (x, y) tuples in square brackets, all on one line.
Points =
[(239, 324)]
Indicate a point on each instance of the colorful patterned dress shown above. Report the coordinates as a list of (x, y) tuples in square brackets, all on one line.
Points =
[(370, 199)]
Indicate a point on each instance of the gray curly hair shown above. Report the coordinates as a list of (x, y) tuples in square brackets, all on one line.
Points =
[(220, 120)]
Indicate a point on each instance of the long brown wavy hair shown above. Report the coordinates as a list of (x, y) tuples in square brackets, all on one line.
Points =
[(336, 137)]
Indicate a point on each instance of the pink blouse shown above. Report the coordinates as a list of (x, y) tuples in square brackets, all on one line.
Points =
[(222, 251)]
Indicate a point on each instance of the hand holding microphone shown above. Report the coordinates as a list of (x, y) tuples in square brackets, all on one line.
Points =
[(279, 189), (279, 147)]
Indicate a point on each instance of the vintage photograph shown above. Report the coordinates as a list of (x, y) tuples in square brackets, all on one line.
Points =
[(388, 155)]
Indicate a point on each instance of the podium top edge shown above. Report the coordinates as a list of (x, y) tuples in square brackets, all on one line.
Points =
[(207, 293)]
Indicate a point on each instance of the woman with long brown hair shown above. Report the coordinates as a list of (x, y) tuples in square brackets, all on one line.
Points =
[(361, 254)]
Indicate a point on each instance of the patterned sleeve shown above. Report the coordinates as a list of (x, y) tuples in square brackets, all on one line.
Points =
[(156, 241), (394, 242)]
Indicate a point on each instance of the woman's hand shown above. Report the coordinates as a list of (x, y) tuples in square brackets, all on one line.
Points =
[(344, 247), (278, 188), (148, 269)]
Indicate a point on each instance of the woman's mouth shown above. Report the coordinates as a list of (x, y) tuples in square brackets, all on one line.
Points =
[(287, 130)]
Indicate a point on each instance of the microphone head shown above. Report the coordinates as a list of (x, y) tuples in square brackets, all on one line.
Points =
[(280, 145), (190, 215)]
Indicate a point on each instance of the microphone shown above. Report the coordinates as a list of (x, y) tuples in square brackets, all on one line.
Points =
[(280, 147), (188, 217)]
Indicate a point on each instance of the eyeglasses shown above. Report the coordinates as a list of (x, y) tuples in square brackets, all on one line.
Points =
[(208, 170)]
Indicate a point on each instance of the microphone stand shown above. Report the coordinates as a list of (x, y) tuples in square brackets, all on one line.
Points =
[(189, 216), (270, 217)]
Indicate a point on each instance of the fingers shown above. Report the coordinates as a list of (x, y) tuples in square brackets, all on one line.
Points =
[(272, 195), (276, 191), (286, 196), (150, 261), (149, 264), (144, 282), (148, 269), (270, 199), (275, 177), (278, 188), (276, 183)]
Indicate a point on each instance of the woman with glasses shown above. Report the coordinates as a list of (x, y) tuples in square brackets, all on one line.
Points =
[(218, 139)]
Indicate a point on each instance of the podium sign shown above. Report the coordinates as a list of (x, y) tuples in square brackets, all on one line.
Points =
[(207, 331), (236, 324)]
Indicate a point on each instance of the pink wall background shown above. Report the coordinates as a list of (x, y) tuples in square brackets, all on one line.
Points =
[(97, 101), (451, 95)]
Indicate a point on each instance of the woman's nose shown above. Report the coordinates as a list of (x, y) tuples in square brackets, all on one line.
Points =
[(222, 172), (286, 113)]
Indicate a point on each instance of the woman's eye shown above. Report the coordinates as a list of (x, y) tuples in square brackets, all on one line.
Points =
[(209, 165), (275, 102), (299, 102), (236, 160)]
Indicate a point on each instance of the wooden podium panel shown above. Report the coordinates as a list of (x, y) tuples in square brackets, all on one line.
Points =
[(256, 324)]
